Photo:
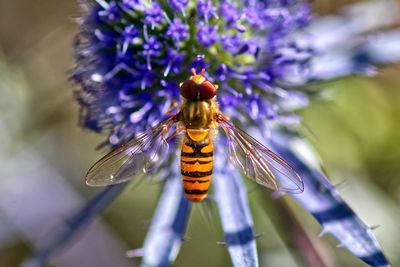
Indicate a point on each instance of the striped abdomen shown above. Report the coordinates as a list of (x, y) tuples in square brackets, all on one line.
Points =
[(196, 164)]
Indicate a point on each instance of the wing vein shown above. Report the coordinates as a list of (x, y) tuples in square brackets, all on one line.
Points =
[(258, 162)]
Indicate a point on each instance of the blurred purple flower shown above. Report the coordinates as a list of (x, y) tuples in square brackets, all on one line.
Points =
[(152, 14), (177, 31), (258, 58), (206, 10), (207, 35)]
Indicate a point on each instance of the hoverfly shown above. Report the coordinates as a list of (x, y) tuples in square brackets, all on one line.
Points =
[(198, 119)]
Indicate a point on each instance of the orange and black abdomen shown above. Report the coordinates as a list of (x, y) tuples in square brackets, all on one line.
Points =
[(196, 164)]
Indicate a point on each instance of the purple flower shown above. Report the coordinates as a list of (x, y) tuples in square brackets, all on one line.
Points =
[(179, 4), (153, 15), (130, 4), (130, 33), (111, 12), (232, 42), (177, 30), (256, 19), (173, 62), (152, 47), (230, 12), (207, 35), (206, 9)]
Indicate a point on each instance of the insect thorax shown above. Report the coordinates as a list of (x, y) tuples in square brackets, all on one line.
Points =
[(198, 114)]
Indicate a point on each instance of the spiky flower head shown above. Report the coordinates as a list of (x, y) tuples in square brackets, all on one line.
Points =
[(131, 56)]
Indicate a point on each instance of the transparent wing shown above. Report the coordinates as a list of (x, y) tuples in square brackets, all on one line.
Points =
[(134, 158), (258, 162)]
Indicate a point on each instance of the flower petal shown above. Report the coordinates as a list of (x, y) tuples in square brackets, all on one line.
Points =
[(168, 225), (323, 201), (233, 206)]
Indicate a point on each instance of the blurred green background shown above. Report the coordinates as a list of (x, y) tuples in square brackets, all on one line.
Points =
[(354, 127)]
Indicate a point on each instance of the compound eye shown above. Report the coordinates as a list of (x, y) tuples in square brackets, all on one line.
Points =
[(207, 90), (188, 90)]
